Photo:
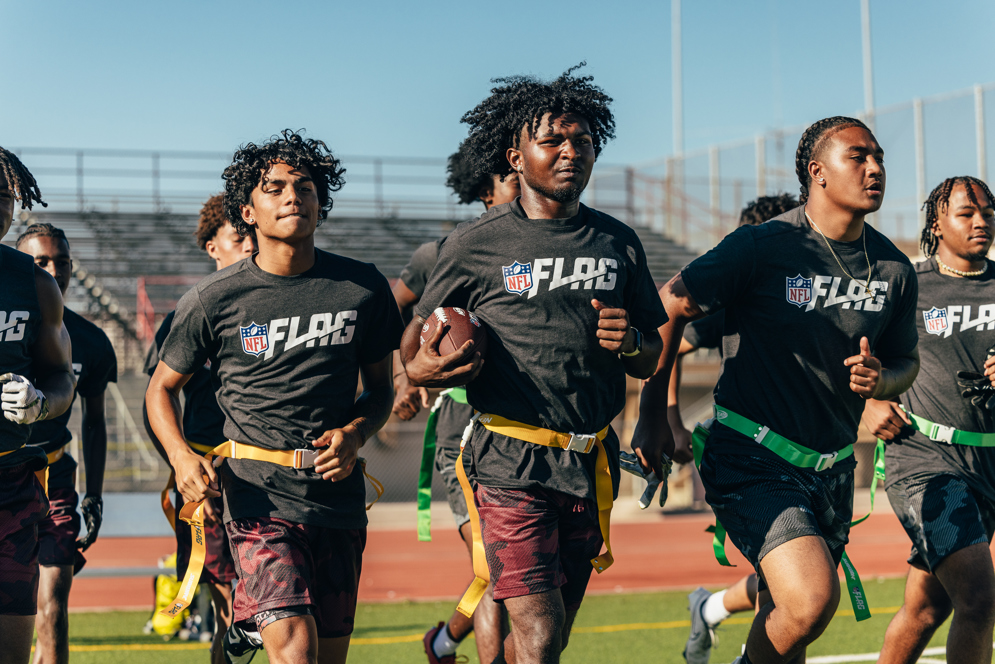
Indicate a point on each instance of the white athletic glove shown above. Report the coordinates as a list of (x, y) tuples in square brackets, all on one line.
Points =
[(630, 463), (22, 402)]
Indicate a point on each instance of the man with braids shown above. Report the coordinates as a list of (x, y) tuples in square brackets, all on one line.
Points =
[(94, 365), (288, 331), (570, 308), (37, 384), (708, 610), (488, 622), (203, 426), (823, 306), (940, 465)]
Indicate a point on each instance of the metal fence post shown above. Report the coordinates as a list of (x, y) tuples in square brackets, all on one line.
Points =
[(715, 199), (761, 150), (378, 186), (156, 198), (979, 131), (920, 141), (80, 203), (630, 196)]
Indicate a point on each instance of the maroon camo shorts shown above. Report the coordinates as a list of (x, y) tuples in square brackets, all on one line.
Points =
[(538, 540), (22, 506), (284, 564), (58, 531), (218, 565)]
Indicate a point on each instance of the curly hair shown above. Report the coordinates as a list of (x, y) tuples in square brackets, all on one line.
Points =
[(766, 208), (251, 162), (41, 230), (467, 185), (19, 180), (938, 200), (212, 219), (521, 102), (813, 142)]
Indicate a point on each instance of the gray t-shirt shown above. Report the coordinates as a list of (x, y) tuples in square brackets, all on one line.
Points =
[(288, 352), (797, 316), (531, 281), (415, 274), (955, 317)]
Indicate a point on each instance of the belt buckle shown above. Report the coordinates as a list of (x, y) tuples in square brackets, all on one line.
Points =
[(580, 442), (305, 458), (826, 461), (943, 434)]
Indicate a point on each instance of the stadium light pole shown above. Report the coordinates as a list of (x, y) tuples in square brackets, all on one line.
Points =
[(865, 28), (677, 86)]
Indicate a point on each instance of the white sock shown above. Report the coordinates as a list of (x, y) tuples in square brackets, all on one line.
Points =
[(714, 610), (444, 643)]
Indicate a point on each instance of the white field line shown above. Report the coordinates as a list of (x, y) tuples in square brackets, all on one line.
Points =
[(873, 657)]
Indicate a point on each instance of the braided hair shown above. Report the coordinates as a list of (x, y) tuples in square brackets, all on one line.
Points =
[(813, 142), (938, 200), (466, 184), (41, 230), (251, 162), (766, 208), (19, 180), (521, 102)]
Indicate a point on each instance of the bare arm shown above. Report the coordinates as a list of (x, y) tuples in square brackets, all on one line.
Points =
[(52, 352), (162, 400), (369, 414), (652, 436), (408, 399), (94, 443), (682, 437)]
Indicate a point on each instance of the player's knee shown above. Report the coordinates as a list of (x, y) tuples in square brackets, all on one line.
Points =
[(977, 606), (929, 617)]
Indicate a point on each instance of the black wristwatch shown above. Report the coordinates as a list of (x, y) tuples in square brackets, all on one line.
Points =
[(639, 344)]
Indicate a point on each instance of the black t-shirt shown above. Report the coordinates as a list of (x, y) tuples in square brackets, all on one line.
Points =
[(798, 317), (20, 320), (706, 332), (531, 281), (95, 365), (203, 420), (961, 316), (288, 352)]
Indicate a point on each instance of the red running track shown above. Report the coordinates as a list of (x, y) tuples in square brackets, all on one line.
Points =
[(672, 553)]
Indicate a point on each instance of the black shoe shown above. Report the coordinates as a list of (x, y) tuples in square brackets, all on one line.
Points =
[(240, 646)]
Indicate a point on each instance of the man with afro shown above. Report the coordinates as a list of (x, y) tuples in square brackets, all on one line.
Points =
[(570, 309), (288, 331)]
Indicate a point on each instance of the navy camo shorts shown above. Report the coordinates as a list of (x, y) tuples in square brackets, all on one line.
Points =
[(765, 502), (941, 515)]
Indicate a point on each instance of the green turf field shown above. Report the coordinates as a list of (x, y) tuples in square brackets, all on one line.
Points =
[(632, 628)]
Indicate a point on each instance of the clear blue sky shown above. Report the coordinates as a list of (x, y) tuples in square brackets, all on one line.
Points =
[(393, 78)]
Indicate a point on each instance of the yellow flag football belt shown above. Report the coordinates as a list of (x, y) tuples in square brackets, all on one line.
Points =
[(193, 513), (573, 442)]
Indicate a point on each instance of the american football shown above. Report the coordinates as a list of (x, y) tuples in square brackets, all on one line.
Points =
[(462, 325)]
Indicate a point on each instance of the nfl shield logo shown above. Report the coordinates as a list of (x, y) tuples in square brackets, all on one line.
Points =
[(255, 341), (799, 290), (517, 277), (936, 320)]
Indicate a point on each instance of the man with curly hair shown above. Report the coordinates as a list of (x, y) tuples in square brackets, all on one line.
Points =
[(564, 291), (203, 428), (288, 331), (37, 385), (452, 415)]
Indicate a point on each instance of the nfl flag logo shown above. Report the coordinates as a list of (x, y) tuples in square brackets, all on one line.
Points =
[(936, 320), (799, 290), (255, 341), (517, 277)]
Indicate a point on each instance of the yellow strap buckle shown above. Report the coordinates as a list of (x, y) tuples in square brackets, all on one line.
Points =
[(581, 442), (305, 458)]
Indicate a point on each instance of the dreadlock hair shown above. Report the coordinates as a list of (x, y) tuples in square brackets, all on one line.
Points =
[(467, 185), (766, 208), (251, 162), (938, 200), (41, 230), (213, 219), (19, 180), (521, 102), (813, 142)]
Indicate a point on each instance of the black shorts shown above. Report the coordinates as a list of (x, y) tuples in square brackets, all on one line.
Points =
[(22, 505), (764, 502), (286, 565), (58, 531), (445, 463), (941, 515)]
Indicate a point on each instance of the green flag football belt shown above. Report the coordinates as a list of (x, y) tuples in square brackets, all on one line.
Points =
[(943, 434), (800, 457), (457, 394)]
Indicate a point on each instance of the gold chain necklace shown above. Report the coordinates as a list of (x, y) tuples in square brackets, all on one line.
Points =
[(975, 273), (863, 234)]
